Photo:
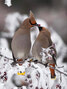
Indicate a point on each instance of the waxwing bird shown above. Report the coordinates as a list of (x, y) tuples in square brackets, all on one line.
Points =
[(21, 43), (44, 41)]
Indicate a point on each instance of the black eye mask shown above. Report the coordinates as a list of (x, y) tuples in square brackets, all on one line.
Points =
[(32, 24)]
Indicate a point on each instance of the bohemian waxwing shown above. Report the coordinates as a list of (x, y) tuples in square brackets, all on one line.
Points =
[(44, 41), (21, 43)]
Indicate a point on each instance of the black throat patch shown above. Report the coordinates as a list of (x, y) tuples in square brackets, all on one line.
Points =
[(40, 28)]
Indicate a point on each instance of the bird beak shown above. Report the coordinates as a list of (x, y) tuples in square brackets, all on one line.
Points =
[(37, 25)]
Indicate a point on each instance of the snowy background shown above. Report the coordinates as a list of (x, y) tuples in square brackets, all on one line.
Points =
[(36, 75), (8, 3), (39, 75)]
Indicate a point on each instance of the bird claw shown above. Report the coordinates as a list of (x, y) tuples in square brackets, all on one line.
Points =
[(31, 60), (35, 61)]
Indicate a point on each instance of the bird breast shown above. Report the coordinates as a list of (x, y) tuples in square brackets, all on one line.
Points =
[(21, 46)]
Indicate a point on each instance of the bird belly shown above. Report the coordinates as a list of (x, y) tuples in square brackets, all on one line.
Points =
[(20, 55), (21, 47), (36, 50)]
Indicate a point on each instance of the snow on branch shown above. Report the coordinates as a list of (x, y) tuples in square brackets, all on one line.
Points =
[(8, 3), (36, 63), (36, 76)]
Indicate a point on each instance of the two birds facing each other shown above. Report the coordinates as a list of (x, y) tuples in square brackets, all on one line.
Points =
[(21, 43)]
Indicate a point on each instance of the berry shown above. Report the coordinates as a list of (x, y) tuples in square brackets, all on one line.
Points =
[(30, 81), (31, 85), (41, 88), (36, 88), (5, 73), (28, 76)]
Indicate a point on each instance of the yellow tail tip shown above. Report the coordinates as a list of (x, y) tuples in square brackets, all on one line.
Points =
[(54, 78)]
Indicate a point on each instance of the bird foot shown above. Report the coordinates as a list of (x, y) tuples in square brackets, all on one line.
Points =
[(35, 61)]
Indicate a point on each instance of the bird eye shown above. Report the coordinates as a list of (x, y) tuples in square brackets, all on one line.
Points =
[(32, 23)]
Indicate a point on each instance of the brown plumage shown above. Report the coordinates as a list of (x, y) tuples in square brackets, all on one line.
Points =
[(44, 41), (21, 43)]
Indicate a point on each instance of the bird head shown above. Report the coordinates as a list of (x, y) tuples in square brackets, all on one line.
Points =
[(29, 22), (32, 20)]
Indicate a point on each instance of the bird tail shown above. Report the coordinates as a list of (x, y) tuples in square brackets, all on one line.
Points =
[(53, 76)]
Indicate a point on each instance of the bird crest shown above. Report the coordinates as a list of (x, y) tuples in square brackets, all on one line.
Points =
[(32, 19)]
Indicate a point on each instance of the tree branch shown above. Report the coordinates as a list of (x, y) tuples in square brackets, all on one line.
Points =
[(52, 67), (36, 63), (5, 57)]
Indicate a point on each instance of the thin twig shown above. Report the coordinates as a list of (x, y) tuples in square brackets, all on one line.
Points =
[(5, 57), (52, 68)]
